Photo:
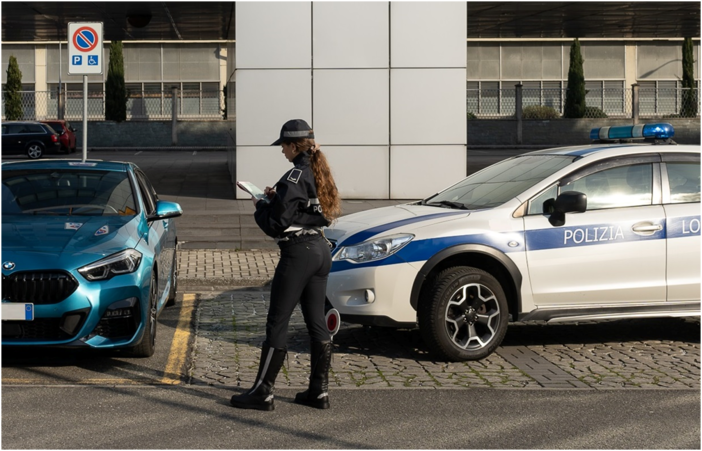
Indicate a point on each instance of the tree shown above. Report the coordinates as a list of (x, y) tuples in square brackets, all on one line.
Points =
[(115, 90), (575, 93), (689, 95), (13, 98)]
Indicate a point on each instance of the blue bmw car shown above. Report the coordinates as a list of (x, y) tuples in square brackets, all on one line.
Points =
[(88, 255)]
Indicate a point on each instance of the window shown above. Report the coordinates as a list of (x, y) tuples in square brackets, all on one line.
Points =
[(624, 186), (67, 192), (684, 182), (147, 193)]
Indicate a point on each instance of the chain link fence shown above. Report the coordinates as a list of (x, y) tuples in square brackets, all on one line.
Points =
[(191, 105), (600, 103)]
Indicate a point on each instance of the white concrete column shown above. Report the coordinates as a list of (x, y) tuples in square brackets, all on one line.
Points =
[(41, 101), (386, 99)]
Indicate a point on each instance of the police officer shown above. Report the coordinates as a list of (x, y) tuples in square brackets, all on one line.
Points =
[(304, 200)]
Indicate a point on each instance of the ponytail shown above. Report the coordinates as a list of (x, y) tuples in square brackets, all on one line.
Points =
[(327, 193)]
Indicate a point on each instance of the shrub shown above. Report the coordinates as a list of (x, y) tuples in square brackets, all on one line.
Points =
[(689, 95), (594, 113), (540, 112), (575, 94), (115, 90), (471, 116), (13, 98)]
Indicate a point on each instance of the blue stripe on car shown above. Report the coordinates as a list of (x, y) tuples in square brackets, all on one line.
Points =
[(590, 235), (683, 227), (368, 233), (422, 250)]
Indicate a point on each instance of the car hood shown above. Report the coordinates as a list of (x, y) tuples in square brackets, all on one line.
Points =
[(358, 227), (68, 242)]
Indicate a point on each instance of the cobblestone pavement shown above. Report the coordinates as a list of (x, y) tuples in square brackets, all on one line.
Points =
[(645, 353)]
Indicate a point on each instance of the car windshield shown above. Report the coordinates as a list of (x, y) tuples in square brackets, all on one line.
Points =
[(499, 183), (70, 192)]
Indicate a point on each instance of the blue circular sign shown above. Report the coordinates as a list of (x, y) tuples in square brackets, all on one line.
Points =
[(85, 39)]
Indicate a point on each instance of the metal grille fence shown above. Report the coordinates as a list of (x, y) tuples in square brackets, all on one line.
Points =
[(192, 105), (600, 103)]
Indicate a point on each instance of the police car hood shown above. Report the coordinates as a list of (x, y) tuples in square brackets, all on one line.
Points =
[(358, 227)]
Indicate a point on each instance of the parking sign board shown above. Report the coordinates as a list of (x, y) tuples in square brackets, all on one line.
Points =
[(85, 48)]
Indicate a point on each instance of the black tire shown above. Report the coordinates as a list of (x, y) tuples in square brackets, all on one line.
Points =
[(148, 342), (465, 316), (35, 151), (174, 281)]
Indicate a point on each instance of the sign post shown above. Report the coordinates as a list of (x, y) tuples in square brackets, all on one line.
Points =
[(85, 57)]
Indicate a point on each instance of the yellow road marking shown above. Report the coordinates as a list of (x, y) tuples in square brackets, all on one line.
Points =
[(176, 357)]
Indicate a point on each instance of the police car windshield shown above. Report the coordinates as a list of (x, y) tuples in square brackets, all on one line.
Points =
[(500, 182)]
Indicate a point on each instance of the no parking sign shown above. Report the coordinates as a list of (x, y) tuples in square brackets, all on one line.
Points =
[(85, 48)]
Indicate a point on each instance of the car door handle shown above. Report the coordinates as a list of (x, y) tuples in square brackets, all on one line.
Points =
[(646, 228)]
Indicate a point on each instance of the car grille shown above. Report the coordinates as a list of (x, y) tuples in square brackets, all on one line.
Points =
[(38, 287)]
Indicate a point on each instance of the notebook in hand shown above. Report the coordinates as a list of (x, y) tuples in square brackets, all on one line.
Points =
[(252, 189)]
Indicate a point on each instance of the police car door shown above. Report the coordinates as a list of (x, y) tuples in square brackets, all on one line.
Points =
[(614, 252), (681, 200)]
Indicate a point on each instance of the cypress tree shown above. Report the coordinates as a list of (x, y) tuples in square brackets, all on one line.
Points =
[(689, 94), (13, 98), (115, 90), (575, 93)]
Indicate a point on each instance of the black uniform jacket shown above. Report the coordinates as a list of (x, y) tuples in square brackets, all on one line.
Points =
[(295, 205)]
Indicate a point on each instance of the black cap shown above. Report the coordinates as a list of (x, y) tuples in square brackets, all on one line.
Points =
[(294, 128)]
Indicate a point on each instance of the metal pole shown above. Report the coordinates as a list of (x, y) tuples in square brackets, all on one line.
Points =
[(59, 113), (518, 111), (635, 103), (85, 118), (174, 115)]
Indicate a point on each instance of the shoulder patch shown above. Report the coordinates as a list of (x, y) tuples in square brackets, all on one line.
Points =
[(294, 175)]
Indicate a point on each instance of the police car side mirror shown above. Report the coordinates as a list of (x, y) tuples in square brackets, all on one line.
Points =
[(568, 202)]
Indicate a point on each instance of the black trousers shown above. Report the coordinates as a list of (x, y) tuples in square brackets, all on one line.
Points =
[(301, 276)]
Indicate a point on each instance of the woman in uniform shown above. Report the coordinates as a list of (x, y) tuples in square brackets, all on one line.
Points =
[(304, 200)]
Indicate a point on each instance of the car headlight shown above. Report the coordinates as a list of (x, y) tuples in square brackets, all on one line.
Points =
[(120, 263), (375, 249)]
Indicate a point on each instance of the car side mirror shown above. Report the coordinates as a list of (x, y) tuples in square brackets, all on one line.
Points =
[(568, 202), (165, 210)]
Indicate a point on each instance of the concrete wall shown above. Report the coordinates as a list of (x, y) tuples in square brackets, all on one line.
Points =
[(487, 133), (382, 84), (157, 134)]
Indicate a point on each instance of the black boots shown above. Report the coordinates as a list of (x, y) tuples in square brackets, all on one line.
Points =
[(260, 397), (317, 394)]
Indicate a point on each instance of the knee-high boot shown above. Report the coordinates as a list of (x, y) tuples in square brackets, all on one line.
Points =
[(317, 394), (260, 396)]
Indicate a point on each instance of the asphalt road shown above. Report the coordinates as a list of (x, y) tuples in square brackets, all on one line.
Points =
[(72, 417)]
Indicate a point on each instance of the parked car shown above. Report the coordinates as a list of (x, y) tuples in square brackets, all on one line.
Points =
[(88, 255), (66, 133), (604, 231), (33, 139)]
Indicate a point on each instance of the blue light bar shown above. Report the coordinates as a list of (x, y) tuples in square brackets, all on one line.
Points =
[(643, 131)]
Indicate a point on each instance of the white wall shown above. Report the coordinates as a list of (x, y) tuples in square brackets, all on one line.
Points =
[(382, 84)]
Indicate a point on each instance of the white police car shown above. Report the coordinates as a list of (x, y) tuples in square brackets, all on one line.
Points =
[(608, 230)]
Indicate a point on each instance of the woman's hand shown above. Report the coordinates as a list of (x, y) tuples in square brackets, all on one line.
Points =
[(269, 192)]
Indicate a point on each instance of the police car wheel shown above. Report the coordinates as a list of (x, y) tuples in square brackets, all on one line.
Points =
[(465, 315)]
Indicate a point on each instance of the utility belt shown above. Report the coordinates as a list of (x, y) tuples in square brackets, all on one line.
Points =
[(300, 236)]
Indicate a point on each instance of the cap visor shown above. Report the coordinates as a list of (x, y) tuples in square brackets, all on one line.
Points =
[(277, 142)]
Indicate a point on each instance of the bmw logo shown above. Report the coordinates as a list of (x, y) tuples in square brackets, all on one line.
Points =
[(8, 266)]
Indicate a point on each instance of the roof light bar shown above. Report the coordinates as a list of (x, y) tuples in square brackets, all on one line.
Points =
[(642, 131)]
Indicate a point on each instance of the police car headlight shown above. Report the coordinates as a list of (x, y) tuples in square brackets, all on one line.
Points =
[(375, 249)]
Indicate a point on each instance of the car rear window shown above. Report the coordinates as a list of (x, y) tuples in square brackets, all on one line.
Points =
[(67, 192)]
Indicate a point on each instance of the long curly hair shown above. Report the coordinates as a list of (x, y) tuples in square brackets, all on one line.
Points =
[(324, 180)]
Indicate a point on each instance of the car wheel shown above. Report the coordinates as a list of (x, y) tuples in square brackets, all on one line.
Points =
[(148, 342), (174, 281), (35, 151), (465, 316)]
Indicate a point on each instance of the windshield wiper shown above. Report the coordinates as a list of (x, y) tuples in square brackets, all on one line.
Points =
[(448, 204)]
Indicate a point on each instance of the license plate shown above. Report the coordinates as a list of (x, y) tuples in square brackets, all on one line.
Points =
[(17, 312)]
